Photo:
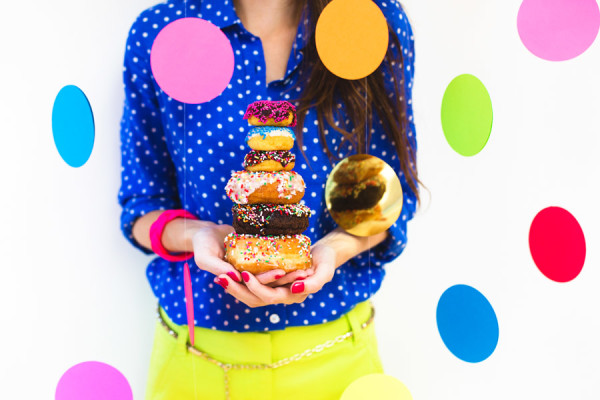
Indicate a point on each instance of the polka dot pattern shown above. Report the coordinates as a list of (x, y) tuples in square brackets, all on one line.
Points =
[(176, 154)]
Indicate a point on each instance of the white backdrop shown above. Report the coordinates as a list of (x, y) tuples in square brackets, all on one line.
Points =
[(72, 289)]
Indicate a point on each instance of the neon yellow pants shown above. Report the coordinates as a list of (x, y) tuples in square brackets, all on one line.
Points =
[(178, 374)]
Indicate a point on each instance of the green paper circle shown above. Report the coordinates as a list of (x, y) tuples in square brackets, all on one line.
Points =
[(467, 115)]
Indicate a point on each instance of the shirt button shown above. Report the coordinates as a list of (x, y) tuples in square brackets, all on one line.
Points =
[(274, 318)]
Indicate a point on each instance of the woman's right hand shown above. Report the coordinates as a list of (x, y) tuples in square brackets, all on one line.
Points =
[(209, 250)]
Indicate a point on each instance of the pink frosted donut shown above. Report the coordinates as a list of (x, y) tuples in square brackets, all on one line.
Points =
[(271, 113)]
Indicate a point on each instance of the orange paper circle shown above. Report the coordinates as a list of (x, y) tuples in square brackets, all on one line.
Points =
[(352, 38)]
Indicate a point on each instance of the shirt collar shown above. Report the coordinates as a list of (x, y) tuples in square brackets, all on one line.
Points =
[(219, 12)]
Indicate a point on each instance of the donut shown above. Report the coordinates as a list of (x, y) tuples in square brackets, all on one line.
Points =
[(359, 196), (281, 187), (357, 169), (270, 219), (257, 254), (276, 160), (268, 138), (271, 113)]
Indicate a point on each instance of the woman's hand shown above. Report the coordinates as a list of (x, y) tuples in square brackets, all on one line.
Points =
[(209, 249), (328, 254)]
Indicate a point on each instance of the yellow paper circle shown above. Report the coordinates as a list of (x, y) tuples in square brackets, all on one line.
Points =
[(352, 38), (376, 386)]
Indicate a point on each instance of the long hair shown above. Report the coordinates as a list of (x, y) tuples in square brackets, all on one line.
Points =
[(323, 90)]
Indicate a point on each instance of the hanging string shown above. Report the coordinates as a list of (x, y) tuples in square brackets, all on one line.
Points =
[(367, 152), (185, 206)]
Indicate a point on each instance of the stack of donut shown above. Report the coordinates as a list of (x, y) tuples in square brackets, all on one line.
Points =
[(267, 218)]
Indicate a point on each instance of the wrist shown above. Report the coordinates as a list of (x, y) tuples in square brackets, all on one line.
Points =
[(348, 246), (178, 234)]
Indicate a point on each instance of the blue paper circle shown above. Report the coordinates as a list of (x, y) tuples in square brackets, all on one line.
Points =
[(467, 323), (73, 126)]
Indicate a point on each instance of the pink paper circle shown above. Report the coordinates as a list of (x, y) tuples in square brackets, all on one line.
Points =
[(93, 381), (557, 244), (558, 30), (192, 60)]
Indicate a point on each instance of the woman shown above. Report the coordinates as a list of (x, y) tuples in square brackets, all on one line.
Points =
[(250, 329)]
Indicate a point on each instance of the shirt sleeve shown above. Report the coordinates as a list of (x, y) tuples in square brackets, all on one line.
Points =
[(395, 242), (148, 180)]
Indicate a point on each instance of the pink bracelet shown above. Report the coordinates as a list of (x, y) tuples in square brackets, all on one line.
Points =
[(156, 232)]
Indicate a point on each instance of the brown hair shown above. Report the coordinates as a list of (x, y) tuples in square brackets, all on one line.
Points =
[(322, 89)]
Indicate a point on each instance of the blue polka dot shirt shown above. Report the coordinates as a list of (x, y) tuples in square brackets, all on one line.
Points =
[(177, 155)]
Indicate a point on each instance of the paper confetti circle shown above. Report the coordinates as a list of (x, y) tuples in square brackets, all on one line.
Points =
[(557, 244), (467, 115), (73, 126), (467, 323), (352, 38), (376, 386), (558, 30), (192, 60), (93, 381)]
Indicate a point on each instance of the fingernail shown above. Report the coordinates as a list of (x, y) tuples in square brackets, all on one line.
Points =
[(278, 277), (245, 276), (233, 276), (298, 287), (300, 278), (218, 282), (223, 282)]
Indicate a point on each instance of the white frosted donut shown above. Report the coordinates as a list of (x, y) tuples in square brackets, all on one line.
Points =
[(280, 187)]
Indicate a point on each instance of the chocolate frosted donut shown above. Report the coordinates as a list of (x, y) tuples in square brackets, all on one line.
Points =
[(276, 160), (272, 113), (360, 196), (270, 219)]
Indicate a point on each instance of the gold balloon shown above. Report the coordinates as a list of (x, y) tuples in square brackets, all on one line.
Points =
[(363, 195)]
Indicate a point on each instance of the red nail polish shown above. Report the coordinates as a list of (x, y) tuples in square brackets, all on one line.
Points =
[(278, 277), (298, 287), (245, 276), (223, 282), (233, 276), (300, 278)]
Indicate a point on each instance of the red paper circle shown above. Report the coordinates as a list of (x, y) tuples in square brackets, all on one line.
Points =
[(557, 244)]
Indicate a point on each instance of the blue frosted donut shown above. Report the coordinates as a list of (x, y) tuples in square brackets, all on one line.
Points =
[(267, 138)]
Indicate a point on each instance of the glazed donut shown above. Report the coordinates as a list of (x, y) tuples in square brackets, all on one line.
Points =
[(357, 169), (359, 196), (257, 254), (270, 219), (281, 187), (271, 113), (268, 138), (276, 160)]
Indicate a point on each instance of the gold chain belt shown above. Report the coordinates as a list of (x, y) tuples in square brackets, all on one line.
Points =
[(226, 367)]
